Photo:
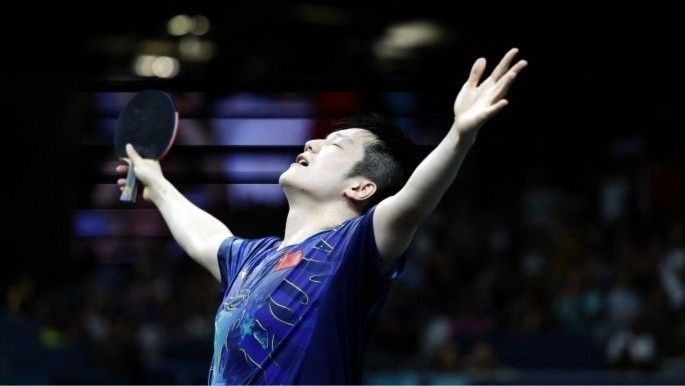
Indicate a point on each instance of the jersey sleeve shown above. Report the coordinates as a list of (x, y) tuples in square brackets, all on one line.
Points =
[(235, 251), (364, 242)]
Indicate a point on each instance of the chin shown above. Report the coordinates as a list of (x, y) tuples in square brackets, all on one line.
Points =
[(294, 185), (287, 179), (282, 178)]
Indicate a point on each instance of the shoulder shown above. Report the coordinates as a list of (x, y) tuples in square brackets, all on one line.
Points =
[(365, 216), (237, 244)]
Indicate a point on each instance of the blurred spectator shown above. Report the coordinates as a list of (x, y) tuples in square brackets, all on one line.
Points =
[(672, 269), (632, 348)]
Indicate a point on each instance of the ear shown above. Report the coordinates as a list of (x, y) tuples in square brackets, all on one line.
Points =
[(360, 190)]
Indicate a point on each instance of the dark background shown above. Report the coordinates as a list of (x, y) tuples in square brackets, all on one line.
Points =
[(599, 102)]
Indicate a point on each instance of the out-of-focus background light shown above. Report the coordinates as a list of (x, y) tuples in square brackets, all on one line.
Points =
[(556, 257), (159, 66)]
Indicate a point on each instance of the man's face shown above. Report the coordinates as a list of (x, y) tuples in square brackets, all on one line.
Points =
[(325, 163)]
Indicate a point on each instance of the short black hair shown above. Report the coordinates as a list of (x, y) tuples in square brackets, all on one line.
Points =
[(388, 161)]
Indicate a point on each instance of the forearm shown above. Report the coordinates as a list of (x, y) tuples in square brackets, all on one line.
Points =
[(434, 175), (190, 225)]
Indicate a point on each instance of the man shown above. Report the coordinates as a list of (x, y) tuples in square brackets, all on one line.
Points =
[(299, 309)]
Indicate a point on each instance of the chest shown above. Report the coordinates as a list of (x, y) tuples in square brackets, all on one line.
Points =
[(294, 274)]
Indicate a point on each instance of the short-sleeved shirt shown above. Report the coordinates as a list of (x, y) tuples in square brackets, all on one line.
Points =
[(302, 314)]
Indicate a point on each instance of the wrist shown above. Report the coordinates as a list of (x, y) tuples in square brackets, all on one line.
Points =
[(462, 136), (158, 188)]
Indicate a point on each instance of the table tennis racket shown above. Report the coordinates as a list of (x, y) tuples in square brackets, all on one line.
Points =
[(149, 122)]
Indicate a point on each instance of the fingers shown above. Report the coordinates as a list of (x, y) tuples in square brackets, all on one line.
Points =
[(121, 169), (519, 66), (132, 153), (503, 65), (507, 80), (134, 158), (476, 72), (497, 107)]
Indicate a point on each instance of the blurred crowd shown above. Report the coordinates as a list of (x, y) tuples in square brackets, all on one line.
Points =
[(556, 281), (557, 292)]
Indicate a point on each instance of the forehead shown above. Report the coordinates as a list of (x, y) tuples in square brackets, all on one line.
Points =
[(358, 136)]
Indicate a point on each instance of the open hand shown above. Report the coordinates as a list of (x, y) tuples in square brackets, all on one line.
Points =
[(476, 103)]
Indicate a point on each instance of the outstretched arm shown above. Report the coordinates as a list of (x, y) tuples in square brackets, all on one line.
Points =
[(397, 217), (196, 231)]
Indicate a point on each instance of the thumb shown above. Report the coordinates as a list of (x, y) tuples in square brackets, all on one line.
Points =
[(496, 108), (133, 154)]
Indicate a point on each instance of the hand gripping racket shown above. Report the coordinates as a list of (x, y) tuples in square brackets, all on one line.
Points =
[(149, 122)]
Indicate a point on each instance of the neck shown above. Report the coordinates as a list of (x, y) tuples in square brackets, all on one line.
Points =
[(307, 218)]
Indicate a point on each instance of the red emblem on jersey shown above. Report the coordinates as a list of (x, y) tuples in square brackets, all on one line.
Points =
[(288, 260)]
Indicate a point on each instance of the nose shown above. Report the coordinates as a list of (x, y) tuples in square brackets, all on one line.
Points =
[(312, 145)]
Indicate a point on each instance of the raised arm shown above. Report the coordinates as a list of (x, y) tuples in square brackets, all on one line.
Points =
[(397, 217), (195, 230)]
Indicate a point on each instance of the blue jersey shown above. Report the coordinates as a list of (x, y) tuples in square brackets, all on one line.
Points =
[(301, 314)]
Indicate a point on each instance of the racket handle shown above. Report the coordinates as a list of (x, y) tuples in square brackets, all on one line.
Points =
[(130, 191)]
